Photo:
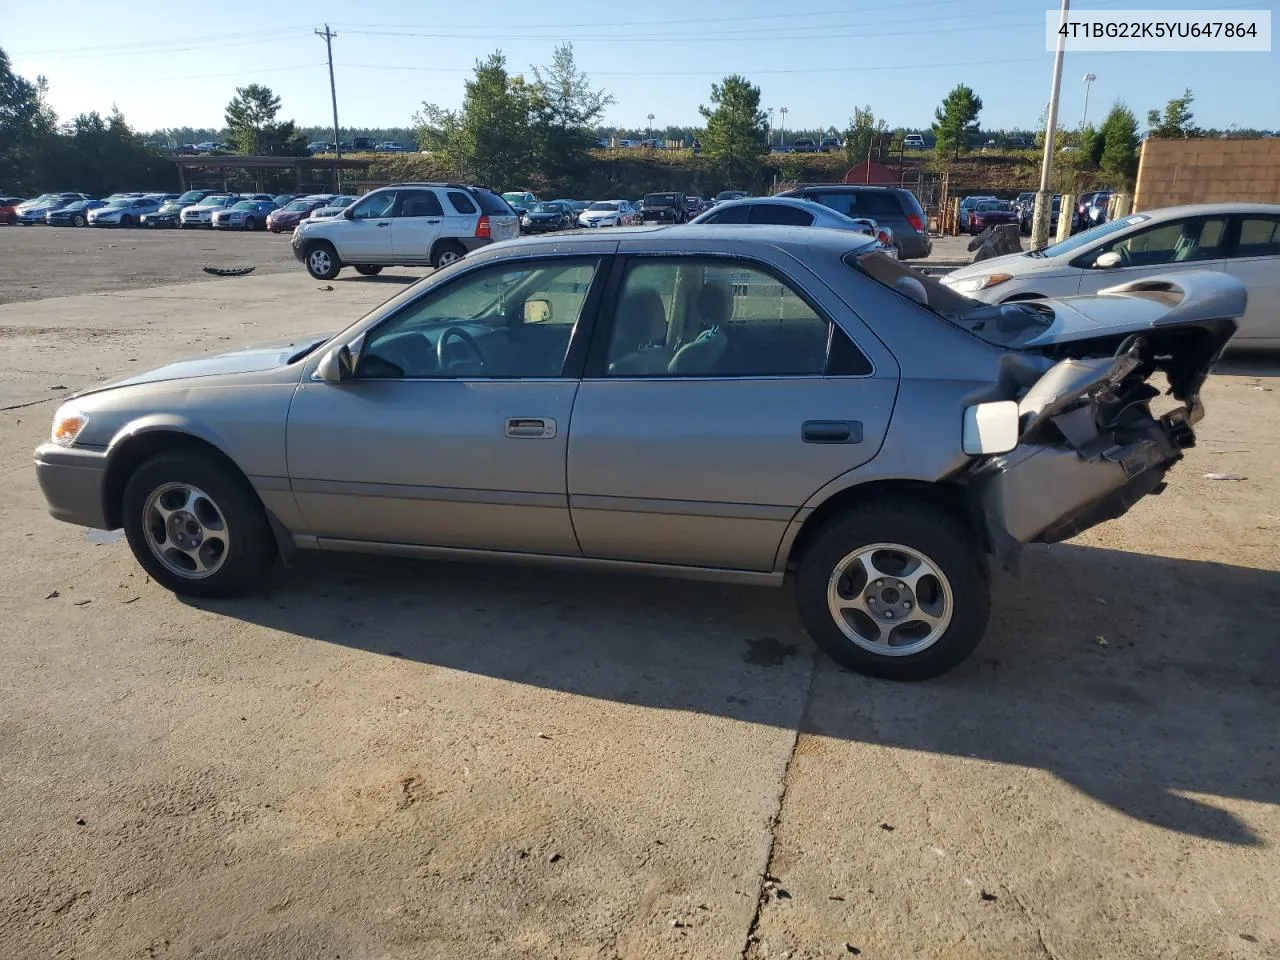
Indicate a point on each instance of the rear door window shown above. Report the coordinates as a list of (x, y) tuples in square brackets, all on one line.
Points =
[(1259, 237), (871, 203), (492, 204), (736, 214), (419, 203), (777, 213)]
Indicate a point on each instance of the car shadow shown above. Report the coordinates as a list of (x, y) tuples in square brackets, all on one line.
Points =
[(380, 278), (1248, 362), (1140, 680)]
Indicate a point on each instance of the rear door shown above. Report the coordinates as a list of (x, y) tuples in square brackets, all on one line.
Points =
[(718, 397), (418, 220), (1188, 243), (503, 222), (1255, 262)]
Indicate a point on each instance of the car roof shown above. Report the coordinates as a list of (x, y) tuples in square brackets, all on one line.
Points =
[(694, 239), (1206, 209)]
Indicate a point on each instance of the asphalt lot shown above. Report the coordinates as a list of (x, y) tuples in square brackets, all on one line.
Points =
[(394, 759)]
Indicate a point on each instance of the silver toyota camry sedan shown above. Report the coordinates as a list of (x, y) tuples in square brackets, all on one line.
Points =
[(758, 404)]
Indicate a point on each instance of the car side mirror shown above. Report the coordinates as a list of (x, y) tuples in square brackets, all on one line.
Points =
[(335, 366), (537, 311), (1108, 261)]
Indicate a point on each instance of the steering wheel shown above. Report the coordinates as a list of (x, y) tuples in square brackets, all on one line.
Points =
[(457, 333)]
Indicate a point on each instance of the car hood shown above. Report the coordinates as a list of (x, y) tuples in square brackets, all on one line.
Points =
[(251, 359), (544, 216), (1016, 264)]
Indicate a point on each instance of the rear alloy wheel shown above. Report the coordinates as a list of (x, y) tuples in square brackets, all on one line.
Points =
[(196, 526), (368, 270), (447, 254), (77, 221), (895, 589), (322, 261)]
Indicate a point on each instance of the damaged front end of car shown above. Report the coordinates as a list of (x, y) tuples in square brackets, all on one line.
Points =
[(1075, 440)]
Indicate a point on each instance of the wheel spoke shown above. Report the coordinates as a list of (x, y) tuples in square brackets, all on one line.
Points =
[(852, 603), (872, 571)]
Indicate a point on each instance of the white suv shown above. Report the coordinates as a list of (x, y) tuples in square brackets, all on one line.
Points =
[(405, 224)]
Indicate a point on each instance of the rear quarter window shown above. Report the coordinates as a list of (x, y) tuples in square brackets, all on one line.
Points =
[(492, 204), (461, 202)]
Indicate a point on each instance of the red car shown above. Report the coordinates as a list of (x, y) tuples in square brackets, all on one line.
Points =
[(9, 210), (289, 216), (991, 213)]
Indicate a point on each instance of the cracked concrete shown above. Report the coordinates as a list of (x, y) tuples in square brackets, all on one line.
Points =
[(388, 759)]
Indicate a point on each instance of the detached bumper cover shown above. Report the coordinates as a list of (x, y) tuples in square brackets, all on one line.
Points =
[(71, 479)]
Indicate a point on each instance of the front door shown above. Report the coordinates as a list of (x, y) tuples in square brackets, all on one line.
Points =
[(725, 398), (453, 430), (1190, 243), (366, 236)]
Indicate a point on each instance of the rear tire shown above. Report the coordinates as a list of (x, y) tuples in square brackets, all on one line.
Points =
[(250, 223), (368, 269), (446, 253), (77, 221), (856, 608), (322, 260), (225, 529), (126, 221)]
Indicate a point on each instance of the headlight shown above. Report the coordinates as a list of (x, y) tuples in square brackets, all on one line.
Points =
[(67, 425), (975, 284)]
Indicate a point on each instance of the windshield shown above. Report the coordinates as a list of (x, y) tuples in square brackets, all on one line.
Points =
[(513, 197), (122, 202), (214, 201), (660, 199), (987, 205), (245, 205), (603, 205), (301, 206), (1005, 325), (546, 208), (191, 196), (1081, 240)]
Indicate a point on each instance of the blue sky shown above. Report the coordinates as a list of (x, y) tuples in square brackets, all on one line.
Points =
[(818, 58)]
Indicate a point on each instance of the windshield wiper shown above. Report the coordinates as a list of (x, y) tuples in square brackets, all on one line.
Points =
[(304, 352)]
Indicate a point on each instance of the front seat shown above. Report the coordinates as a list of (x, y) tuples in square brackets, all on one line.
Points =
[(713, 308), (640, 330)]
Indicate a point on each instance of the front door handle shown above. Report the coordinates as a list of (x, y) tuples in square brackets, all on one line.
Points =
[(832, 431), (384, 223), (433, 220), (531, 428)]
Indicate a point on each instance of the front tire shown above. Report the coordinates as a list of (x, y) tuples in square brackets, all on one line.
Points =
[(368, 270), (446, 254), (126, 221), (196, 526), (322, 261), (77, 221), (895, 589)]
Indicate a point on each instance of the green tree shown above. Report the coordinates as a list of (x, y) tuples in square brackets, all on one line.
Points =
[(252, 126), (736, 138), (863, 129), (489, 140), (1120, 144), (1175, 123), (955, 121), (1091, 144), (26, 125), (565, 108)]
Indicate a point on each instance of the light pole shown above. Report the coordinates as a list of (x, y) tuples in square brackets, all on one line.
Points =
[(783, 139), (1088, 82), (651, 126), (1044, 196), (771, 127)]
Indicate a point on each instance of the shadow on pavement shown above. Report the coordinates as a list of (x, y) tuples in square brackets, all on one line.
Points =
[(1137, 679), (400, 278), (1249, 363)]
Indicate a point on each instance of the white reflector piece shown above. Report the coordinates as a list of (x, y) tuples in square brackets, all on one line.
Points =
[(991, 427)]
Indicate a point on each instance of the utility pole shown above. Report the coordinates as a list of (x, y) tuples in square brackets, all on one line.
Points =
[(1044, 196), (1088, 82), (650, 118), (328, 36), (783, 139)]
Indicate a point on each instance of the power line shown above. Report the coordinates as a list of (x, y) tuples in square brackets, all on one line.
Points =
[(157, 46)]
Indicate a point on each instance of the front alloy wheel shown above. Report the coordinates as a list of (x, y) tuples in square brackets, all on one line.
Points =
[(322, 262), (186, 530)]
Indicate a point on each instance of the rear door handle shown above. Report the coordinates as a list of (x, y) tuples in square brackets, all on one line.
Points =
[(832, 431), (384, 223), (531, 428)]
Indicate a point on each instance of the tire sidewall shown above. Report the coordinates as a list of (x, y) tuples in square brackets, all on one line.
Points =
[(927, 529), (442, 250), (77, 221), (252, 546)]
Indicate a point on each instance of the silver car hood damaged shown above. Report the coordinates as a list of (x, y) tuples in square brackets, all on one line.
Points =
[(251, 359), (1089, 445)]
